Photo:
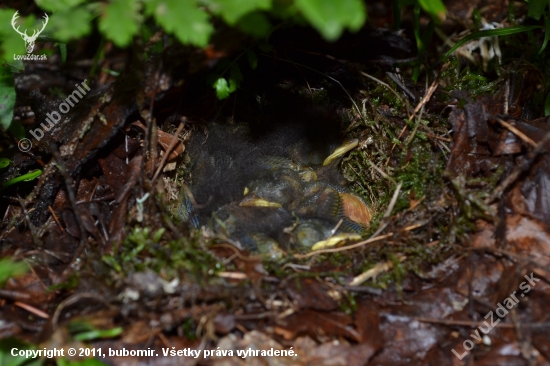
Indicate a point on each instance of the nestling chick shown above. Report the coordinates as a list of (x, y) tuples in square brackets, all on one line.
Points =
[(269, 185)]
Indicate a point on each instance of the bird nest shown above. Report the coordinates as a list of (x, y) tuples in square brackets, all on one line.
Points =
[(257, 182)]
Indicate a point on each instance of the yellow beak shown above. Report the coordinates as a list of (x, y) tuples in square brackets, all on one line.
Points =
[(258, 202), (347, 146), (334, 240)]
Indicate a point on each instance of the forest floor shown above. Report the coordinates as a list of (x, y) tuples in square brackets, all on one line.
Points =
[(453, 269)]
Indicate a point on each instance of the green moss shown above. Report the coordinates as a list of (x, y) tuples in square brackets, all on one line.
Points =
[(188, 328), (70, 283), (419, 170), (348, 305), (144, 249), (468, 79)]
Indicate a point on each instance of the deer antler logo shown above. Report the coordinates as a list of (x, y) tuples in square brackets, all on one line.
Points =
[(29, 40)]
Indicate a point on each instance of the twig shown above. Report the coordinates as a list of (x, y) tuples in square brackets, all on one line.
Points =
[(380, 171), (516, 132), (474, 324), (399, 83), (395, 144), (32, 309), (518, 170), (72, 197), (169, 149), (233, 275), (333, 231), (412, 227), (74, 299), (375, 271), (236, 252), (428, 95), (393, 200), (295, 267), (35, 238), (56, 219), (404, 101), (264, 315), (446, 139), (148, 123), (506, 95), (420, 106), (418, 121), (422, 103), (363, 289)]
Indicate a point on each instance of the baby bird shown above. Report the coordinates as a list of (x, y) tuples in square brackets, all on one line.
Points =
[(274, 188), (258, 229), (268, 188)]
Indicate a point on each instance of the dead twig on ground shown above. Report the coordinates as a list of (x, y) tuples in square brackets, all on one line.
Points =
[(169, 149), (474, 324), (518, 170), (516, 132)]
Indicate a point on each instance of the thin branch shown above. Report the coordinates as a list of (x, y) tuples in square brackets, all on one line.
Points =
[(516, 132), (169, 149), (474, 324), (404, 101), (518, 170)]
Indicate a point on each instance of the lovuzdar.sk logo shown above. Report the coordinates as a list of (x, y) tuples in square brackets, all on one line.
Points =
[(29, 40)]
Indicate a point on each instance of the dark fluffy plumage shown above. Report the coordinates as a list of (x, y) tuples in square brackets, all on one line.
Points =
[(226, 158), (278, 164)]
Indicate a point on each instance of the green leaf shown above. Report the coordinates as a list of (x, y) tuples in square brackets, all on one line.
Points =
[(25, 177), (331, 17), (222, 88), (435, 8), (255, 24), (158, 235), (491, 33), (7, 97), (11, 42), (16, 66), (183, 18), (17, 130), (9, 269), (30, 175), (4, 162), (112, 262), (536, 8), (58, 5), (233, 10), (235, 78), (120, 21), (72, 23), (63, 51), (110, 72), (547, 105), (6, 359), (87, 362), (98, 333)]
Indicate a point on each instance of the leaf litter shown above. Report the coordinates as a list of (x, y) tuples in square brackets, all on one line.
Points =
[(455, 176)]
